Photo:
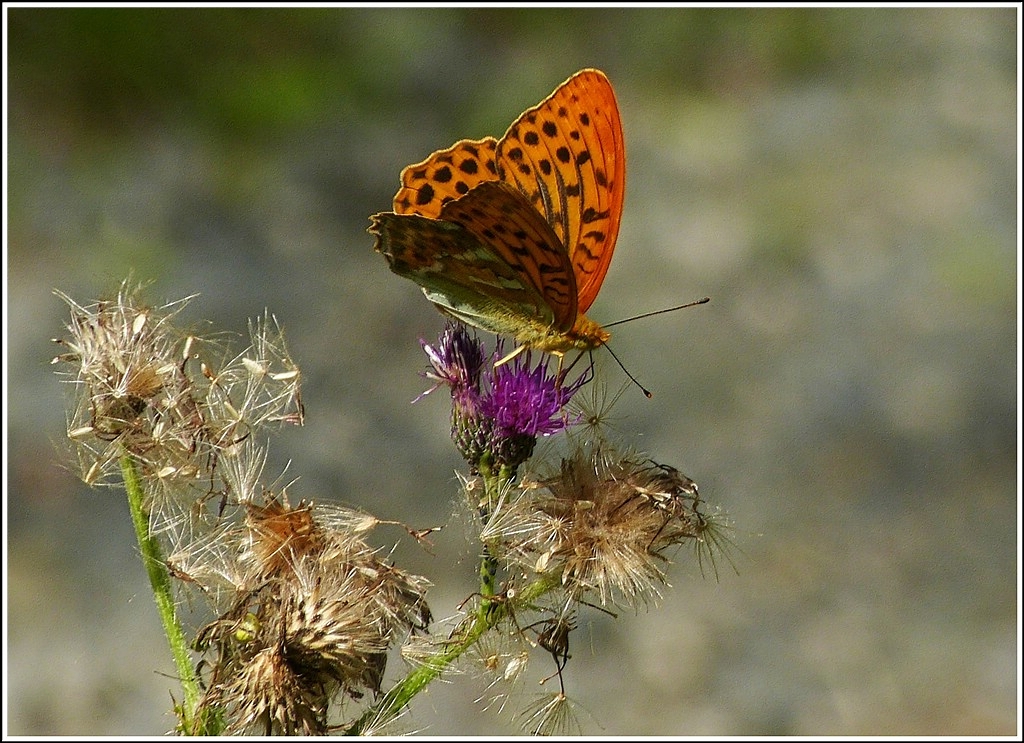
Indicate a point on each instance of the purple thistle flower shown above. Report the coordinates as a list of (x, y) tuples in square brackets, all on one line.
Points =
[(497, 410), (456, 361), (522, 404), (527, 402)]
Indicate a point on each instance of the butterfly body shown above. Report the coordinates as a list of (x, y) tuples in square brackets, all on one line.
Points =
[(515, 235)]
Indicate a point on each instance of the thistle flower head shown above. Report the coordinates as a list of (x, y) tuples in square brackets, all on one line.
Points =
[(500, 409), (132, 393), (456, 360), (525, 401), (141, 392)]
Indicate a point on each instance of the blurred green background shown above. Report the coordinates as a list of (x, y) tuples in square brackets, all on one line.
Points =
[(841, 182)]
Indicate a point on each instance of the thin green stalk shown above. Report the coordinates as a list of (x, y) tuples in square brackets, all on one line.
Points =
[(396, 699), (160, 580), (490, 612), (494, 482)]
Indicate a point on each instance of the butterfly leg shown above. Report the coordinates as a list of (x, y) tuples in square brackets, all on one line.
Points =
[(509, 356)]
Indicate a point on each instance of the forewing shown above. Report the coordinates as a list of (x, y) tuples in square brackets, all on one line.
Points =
[(567, 156), (444, 176)]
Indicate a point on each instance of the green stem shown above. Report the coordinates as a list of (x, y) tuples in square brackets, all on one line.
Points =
[(392, 703), (490, 612), (160, 580), (494, 484)]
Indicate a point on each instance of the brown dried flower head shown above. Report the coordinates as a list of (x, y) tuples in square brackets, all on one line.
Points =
[(604, 523), (313, 615)]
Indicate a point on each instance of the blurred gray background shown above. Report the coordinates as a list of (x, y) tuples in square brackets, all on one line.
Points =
[(841, 182)]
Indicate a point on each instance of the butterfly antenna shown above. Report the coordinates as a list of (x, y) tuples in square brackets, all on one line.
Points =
[(704, 300), (647, 393), (588, 373)]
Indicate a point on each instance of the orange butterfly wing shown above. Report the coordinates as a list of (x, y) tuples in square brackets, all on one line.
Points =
[(516, 235), (446, 175), (567, 156)]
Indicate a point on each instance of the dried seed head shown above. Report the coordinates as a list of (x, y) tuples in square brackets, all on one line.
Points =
[(138, 393), (132, 395), (551, 714), (269, 696), (603, 522), (315, 610)]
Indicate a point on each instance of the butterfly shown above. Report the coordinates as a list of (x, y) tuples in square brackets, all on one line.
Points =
[(515, 235)]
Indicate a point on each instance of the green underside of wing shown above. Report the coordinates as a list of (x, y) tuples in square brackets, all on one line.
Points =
[(460, 274), (488, 315)]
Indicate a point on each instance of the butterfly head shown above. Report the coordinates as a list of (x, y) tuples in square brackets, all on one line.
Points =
[(585, 335)]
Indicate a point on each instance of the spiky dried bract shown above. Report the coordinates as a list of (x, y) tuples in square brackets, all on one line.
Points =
[(314, 614), (603, 523)]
